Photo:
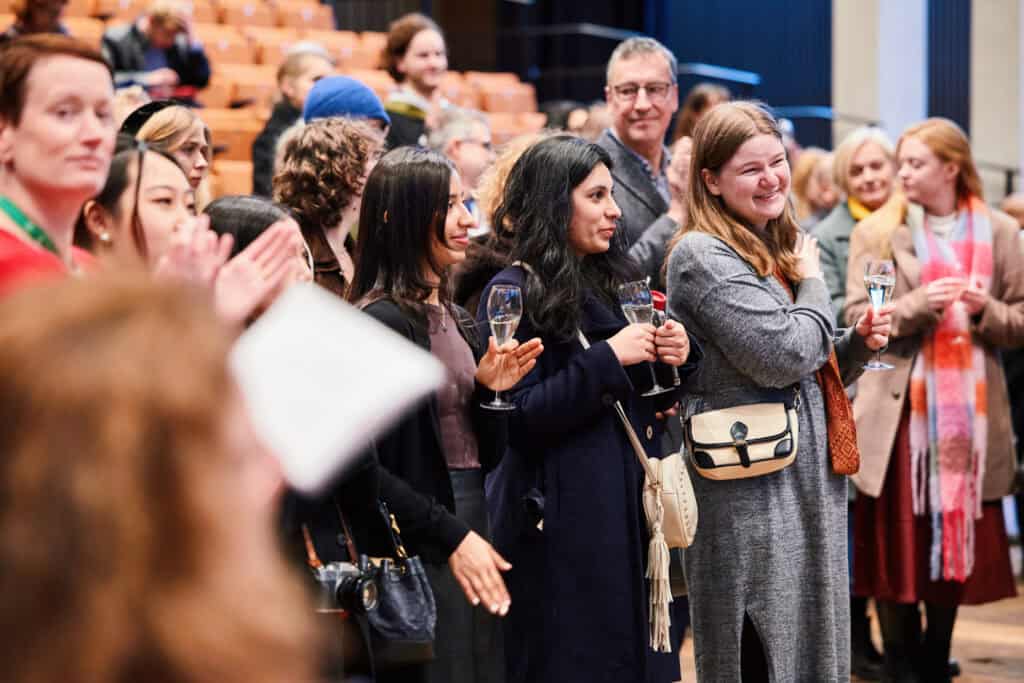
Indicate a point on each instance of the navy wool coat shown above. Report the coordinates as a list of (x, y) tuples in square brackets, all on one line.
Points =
[(579, 597)]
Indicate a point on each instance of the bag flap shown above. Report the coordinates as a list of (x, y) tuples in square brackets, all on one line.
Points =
[(763, 422)]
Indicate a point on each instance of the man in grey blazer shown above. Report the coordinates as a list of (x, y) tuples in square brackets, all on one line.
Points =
[(642, 96)]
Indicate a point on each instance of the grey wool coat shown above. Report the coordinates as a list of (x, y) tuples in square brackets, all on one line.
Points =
[(772, 548)]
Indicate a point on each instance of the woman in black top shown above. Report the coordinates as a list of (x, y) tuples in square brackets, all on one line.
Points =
[(413, 226)]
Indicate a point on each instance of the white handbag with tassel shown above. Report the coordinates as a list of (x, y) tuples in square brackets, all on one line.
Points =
[(671, 511)]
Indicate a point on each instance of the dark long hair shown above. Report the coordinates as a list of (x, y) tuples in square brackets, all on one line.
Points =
[(405, 202), (244, 217), (129, 156), (537, 211)]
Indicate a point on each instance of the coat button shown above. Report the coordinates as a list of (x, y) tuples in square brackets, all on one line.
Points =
[(896, 395), (650, 432), (607, 399)]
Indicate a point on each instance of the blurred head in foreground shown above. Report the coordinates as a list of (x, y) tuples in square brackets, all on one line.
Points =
[(135, 530)]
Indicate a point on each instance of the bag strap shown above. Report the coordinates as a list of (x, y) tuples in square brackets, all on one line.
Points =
[(634, 440)]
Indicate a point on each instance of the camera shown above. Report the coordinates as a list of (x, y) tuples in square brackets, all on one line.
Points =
[(346, 586)]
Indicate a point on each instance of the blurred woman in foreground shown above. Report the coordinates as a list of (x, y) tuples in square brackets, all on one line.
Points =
[(150, 554)]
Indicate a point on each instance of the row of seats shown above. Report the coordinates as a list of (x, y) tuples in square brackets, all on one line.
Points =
[(301, 14), (234, 130)]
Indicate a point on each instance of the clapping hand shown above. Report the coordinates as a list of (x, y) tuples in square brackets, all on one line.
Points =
[(246, 282)]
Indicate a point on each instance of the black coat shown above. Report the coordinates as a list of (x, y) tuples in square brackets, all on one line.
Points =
[(579, 597), (281, 119), (124, 48)]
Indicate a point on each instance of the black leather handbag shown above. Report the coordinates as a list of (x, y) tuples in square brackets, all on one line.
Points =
[(402, 626), (395, 607)]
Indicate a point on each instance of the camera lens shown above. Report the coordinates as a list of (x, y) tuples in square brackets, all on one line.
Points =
[(356, 593)]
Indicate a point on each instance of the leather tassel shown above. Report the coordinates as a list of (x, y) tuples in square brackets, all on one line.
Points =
[(661, 590)]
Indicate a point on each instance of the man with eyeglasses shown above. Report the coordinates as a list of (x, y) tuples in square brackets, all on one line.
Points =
[(642, 96), (464, 136)]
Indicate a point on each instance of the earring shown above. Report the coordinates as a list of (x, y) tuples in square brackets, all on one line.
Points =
[(385, 216), (105, 239)]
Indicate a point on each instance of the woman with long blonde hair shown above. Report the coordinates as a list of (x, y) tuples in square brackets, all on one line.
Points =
[(770, 552), (937, 438), (180, 132)]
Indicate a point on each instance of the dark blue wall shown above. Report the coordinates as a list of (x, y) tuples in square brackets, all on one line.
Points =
[(949, 60), (789, 43)]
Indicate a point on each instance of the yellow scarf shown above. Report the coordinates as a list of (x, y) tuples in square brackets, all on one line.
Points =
[(857, 210)]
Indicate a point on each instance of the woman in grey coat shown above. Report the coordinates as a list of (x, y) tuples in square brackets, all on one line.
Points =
[(767, 571)]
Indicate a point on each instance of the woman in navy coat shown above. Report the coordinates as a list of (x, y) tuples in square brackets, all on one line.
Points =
[(566, 500)]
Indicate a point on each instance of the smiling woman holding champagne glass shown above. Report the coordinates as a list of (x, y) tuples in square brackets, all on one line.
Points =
[(413, 226), (935, 431), (566, 500), (767, 571)]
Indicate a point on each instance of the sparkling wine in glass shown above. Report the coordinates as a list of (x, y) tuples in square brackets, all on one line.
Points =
[(879, 278), (638, 307), (504, 309)]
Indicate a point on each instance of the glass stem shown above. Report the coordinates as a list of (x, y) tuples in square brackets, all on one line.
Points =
[(498, 400)]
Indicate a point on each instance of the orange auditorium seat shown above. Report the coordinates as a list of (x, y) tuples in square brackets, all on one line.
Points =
[(120, 11), (73, 8), (225, 45), (521, 97), (256, 86), (220, 93), (6, 19), (271, 44), (373, 41), (231, 177), (5, 9), (305, 16), (490, 79), (205, 12), (457, 91), (378, 80), (339, 44), (232, 139), (86, 29), (246, 13)]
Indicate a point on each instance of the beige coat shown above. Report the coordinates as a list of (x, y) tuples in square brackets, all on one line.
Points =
[(881, 394)]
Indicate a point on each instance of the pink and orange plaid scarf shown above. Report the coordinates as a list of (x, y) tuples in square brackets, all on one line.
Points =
[(948, 412)]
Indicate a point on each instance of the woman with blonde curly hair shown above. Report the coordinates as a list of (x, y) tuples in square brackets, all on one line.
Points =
[(320, 175), (150, 554)]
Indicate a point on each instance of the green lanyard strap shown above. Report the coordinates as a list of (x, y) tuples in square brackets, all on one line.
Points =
[(27, 226)]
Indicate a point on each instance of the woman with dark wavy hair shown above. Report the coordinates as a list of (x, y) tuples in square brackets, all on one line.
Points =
[(566, 499)]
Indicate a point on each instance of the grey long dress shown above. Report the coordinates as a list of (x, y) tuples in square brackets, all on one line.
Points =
[(771, 547)]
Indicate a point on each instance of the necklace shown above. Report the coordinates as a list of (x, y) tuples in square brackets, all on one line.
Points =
[(35, 233)]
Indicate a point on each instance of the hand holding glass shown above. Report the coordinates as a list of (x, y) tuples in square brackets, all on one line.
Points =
[(504, 309), (879, 278), (638, 307)]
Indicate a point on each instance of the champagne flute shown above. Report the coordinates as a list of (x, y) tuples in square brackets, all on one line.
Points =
[(504, 309), (958, 272), (879, 278), (638, 307)]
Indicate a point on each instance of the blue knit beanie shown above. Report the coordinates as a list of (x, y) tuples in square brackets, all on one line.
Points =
[(343, 96)]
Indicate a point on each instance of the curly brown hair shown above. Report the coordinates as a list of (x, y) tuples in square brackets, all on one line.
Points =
[(322, 168), (123, 538), (401, 31)]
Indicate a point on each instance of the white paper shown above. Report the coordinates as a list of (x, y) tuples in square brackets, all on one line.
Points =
[(321, 379)]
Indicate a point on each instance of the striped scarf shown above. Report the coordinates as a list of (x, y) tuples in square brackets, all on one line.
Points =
[(948, 415)]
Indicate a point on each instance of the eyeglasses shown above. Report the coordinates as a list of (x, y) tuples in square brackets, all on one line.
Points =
[(656, 92)]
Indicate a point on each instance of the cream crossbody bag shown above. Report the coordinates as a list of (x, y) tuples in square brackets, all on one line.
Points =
[(745, 441), (671, 511)]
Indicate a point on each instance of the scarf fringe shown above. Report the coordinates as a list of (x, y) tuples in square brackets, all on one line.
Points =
[(945, 480)]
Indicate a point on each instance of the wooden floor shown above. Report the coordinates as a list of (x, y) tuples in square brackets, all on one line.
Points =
[(988, 641)]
